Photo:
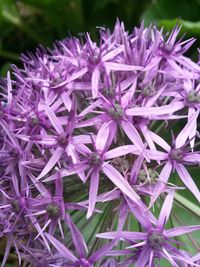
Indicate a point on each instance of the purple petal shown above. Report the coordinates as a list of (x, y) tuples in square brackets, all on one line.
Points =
[(192, 157), (133, 134), (143, 257), (184, 134), (166, 210), (112, 53), (102, 251), (142, 214), (123, 235), (94, 184), (7, 250), (9, 91), (51, 163), (6, 128), (53, 119), (120, 182), (161, 142), (182, 230), (65, 252), (147, 136), (187, 180), (121, 67), (102, 136), (156, 155), (95, 82), (163, 178), (192, 134), (77, 237), (121, 151), (167, 256), (149, 111)]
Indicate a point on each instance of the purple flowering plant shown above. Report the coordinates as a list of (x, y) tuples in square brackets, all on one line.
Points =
[(99, 152)]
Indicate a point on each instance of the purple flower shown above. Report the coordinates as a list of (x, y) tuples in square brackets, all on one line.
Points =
[(155, 242), (84, 149)]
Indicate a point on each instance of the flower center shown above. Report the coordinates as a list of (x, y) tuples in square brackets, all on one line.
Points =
[(193, 97), (62, 140), (53, 210), (95, 160), (147, 176), (109, 92), (155, 240), (35, 121), (56, 82), (14, 153), (166, 48), (148, 90), (15, 206), (177, 155), (116, 112)]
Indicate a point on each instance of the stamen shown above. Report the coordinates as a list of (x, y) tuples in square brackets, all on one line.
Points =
[(155, 240), (53, 210), (177, 155), (95, 160), (193, 97), (116, 112)]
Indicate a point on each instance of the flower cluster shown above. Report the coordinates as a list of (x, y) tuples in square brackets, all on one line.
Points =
[(96, 141)]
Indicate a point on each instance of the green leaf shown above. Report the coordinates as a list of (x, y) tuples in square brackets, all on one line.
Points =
[(9, 12), (187, 204), (162, 9), (193, 28)]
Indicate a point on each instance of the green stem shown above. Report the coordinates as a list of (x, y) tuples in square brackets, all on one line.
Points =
[(187, 204), (172, 225), (189, 236)]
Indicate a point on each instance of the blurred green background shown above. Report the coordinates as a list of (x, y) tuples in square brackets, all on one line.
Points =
[(26, 23)]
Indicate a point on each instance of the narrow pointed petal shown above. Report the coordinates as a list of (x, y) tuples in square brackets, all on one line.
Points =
[(143, 257), (193, 131), (65, 252), (149, 111), (77, 237), (102, 136), (102, 251), (163, 178), (168, 257), (54, 120), (6, 128), (121, 67), (185, 133), (187, 180), (94, 185), (161, 142), (123, 235), (51, 163), (95, 82), (7, 250), (9, 99), (192, 157), (112, 54), (133, 134), (121, 151), (182, 230), (120, 182), (166, 210), (147, 136)]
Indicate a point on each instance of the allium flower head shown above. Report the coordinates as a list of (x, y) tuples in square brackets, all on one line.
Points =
[(97, 140)]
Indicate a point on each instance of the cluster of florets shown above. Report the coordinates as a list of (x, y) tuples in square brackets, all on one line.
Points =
[(89, 146)]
